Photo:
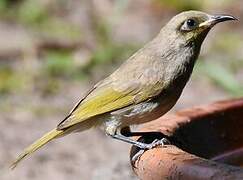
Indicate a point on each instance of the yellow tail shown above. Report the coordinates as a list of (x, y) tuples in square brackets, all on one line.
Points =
[(36, 145)]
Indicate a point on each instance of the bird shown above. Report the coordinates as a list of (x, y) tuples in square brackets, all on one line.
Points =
[(145, 86)]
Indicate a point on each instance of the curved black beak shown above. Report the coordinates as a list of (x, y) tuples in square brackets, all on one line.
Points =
[(222, 18), (215, 19)]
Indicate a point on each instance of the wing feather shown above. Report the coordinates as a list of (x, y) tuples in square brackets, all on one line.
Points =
[(113, 94), (99, 101)]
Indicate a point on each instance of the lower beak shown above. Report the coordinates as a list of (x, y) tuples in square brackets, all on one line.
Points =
[(217, 19)]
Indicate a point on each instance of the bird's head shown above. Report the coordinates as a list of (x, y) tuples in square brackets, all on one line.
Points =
[(193, 26)]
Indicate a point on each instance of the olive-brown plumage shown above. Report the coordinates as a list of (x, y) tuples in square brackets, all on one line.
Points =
[(145, 86)]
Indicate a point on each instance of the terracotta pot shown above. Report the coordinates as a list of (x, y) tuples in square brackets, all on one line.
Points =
[(207, 143)]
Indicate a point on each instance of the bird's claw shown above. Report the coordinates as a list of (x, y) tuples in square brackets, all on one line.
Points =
[(136, 157), (157, 142)]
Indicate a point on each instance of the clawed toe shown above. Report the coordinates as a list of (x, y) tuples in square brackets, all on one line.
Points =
[(136, 157), (158, 142)]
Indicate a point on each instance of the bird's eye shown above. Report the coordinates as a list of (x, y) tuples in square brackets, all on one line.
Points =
[(191, 22), (189, 25)]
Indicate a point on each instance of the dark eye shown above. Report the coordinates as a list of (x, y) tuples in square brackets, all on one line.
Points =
[(189, 25), (191, 22)]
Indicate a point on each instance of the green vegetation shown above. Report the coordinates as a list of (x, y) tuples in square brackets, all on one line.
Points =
[(10, 81), (57, 64), (222, 76), (32, 12), (182, 5)]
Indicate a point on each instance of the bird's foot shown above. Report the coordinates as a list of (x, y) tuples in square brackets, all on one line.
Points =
[(157, 142)]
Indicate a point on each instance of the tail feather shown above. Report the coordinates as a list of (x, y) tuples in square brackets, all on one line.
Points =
[(36, 145)]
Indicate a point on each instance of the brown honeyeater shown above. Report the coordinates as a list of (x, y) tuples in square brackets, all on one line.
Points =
[(144, 87)]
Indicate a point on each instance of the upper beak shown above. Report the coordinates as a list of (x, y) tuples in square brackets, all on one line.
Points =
[(215, 19)]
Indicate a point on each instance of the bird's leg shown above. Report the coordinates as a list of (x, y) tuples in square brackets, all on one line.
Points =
[(123, 134), (118, 136), (113, 131), (126, 131)]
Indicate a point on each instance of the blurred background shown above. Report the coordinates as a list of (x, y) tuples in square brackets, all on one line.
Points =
[(52, 51)]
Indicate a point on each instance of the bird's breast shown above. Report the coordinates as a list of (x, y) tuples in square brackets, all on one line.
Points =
[(145, 111)]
